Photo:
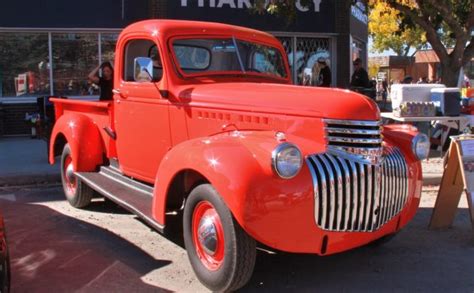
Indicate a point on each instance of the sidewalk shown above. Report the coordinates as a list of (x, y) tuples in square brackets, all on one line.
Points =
[(432, 171), (24, 161)]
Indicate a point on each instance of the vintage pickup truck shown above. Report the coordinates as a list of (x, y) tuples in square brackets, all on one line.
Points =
[(205, 123)]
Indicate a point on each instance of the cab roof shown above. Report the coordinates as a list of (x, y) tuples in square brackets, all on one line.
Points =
[(168, 28)]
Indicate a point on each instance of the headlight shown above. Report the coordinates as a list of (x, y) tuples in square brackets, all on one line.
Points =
[(287, 160), (421, 146)]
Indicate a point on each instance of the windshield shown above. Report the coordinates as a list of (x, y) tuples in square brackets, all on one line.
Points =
[(230, 55)]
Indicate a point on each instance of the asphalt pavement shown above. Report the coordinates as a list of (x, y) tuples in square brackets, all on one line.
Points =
[(102, 248)]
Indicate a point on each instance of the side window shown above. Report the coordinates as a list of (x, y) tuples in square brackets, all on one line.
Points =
[(141, 48)]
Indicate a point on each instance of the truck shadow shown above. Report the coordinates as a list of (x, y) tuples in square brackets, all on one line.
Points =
[(52, 251), (417, 259)]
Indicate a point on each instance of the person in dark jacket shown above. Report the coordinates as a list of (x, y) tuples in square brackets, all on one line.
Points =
[(324, 73), (359, 78), (105, 82)]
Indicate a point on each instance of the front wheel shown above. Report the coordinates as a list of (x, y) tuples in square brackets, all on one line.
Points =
[(77, 193), (221, 253)]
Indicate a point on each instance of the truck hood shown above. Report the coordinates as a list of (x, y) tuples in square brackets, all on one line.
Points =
[(283, 99)]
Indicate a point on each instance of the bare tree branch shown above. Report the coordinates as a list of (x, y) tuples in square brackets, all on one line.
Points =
[(446, 10), (468, 52)]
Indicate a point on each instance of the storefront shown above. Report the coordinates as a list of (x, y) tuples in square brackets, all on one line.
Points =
[(330, 29), (49, 49)]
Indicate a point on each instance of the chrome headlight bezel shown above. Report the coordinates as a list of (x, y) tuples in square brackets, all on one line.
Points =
[(420, 146), (285, 149)]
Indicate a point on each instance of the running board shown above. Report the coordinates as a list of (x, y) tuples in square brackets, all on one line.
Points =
[(134, 196)]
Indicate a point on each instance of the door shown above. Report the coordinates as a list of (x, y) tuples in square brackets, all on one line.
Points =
[(141, 114)]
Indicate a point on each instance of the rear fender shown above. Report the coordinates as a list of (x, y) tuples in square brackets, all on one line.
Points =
[(83, 138)]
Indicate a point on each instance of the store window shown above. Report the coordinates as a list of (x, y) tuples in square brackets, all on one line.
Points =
[(303, 58), (308, 51), (358, 49), (24, 64), (74, 56), (108, 42)]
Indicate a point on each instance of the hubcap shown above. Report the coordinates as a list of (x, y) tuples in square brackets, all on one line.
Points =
[(70, 179), (70, 173), (208, 235)]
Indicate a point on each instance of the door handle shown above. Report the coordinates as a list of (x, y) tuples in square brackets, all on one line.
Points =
[(118, 92)]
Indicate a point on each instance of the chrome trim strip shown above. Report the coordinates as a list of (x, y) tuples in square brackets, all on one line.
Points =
[(347, 195), (393, 186), (315, 188), (377, 185), (324, 191), (398, 170), (353, 131), (361, 197), (331, 192), (353, 122), (359, 154), (339, 192), (354, 140), (369, 196), (355, 200)]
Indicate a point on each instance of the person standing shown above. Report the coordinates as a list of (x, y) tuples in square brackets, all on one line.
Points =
[(360, 77), (324, 73), (105, 81)]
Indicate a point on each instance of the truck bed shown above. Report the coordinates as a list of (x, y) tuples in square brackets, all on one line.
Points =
[(100, 113)]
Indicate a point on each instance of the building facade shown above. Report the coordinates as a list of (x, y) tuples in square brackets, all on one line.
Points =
[(49, 47)]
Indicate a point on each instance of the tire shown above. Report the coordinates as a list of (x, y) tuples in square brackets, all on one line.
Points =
[(78, 194), (227, 263)]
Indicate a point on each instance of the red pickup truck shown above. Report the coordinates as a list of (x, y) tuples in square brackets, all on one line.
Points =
[(205, 123)]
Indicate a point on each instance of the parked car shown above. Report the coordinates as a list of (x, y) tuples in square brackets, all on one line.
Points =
[(4, 259), (205, 123)]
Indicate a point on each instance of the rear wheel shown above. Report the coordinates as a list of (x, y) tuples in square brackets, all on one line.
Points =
[(221, 253), (77, 193)]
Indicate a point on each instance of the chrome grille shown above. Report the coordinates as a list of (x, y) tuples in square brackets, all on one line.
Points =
[(361, 140), (353, 196)]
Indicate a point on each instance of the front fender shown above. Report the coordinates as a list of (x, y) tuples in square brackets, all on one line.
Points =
[(238, 165), (83, 138)]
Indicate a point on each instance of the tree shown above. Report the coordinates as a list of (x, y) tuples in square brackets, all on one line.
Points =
[(448, 26), (386, 31), (444, 22)]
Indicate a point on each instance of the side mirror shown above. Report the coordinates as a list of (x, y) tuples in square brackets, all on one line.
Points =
[(143, 69)]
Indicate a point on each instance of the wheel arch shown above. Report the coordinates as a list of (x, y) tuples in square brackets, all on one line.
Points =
[(181, 185), (211, 161), (84, 139)]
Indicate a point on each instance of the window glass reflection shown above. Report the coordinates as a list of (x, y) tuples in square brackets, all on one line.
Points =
[(74, 56), (24, 64), (108, 42)]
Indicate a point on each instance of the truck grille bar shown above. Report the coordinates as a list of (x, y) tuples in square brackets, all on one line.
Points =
[(359, 140), (352, 196)]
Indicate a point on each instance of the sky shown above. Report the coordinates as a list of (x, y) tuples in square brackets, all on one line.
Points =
[(384, 53)]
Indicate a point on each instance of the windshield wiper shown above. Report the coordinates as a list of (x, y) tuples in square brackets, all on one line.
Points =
[(238, 54)]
